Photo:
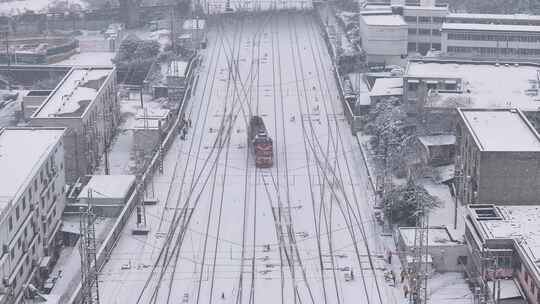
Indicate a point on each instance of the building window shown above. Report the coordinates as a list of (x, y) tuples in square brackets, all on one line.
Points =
[(425, 19), (526, 277), (462, 260), (10, 223), (17, 212), (533, 287), (410, 18), (13, 253), (412, 31), (424, 32), (35, 185), (24, 203)]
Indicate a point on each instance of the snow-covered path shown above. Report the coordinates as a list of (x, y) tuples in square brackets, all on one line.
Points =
[(226, 232)]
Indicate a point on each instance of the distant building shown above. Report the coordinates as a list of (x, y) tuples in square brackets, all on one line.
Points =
[(386, 87), (384, 37), (504, 243), (446, 253), (86, 103), (32, 200), (431, 26), (497, 158), (177, 75), (491, 41), (107, 194)]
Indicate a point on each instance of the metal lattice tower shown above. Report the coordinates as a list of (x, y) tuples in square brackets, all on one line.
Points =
[(87, 249), (420, 269)]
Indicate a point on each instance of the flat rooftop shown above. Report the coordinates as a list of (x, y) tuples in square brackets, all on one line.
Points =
[(383, 20), (501, 130), (387, 87), (108, 186), (75, 93), (489, 27), (437, 236), (484, 84), (22, 151), (520, 223)]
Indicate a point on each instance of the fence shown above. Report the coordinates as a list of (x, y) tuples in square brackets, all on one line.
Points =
[(110, 241), (354, 120)]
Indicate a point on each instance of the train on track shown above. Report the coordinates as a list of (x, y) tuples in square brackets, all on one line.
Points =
[(260, 141)]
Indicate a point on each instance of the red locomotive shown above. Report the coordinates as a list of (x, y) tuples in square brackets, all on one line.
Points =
[(261, 142)]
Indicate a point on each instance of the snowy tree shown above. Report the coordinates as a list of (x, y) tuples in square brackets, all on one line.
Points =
[(402, 203)]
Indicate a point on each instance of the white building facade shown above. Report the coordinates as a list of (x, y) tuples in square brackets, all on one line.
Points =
[(86, 103), (384, 37), (32, 200)]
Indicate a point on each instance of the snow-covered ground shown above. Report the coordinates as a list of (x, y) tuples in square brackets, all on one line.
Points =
[(289, 234)]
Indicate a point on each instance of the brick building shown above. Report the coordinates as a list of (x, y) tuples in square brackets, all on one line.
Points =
[(497, 157)]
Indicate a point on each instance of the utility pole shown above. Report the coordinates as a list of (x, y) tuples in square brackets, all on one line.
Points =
[(87, 250), (420, 271)]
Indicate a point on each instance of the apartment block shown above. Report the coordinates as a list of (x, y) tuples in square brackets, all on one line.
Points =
[(85, 102), (31, 203)]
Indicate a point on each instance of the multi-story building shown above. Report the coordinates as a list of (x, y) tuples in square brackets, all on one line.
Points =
[(504, 245), (509, 19), (31, 202), (86, 103), (424, 26), (424, 20), (432, 26), (491, 41), (384, 37), (497, 157)]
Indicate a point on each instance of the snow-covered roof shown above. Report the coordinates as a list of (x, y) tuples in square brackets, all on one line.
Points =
[(383, 20), (22, 153), (437, 140), (512, 17), (437, 236), (194, 24), (518, 223), (108, 186), (489, 27), (483, 84), (75, 93), (387, 87), (501, 130)]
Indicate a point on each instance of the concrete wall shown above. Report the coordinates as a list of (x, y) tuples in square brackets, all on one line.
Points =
[(509, 177)]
